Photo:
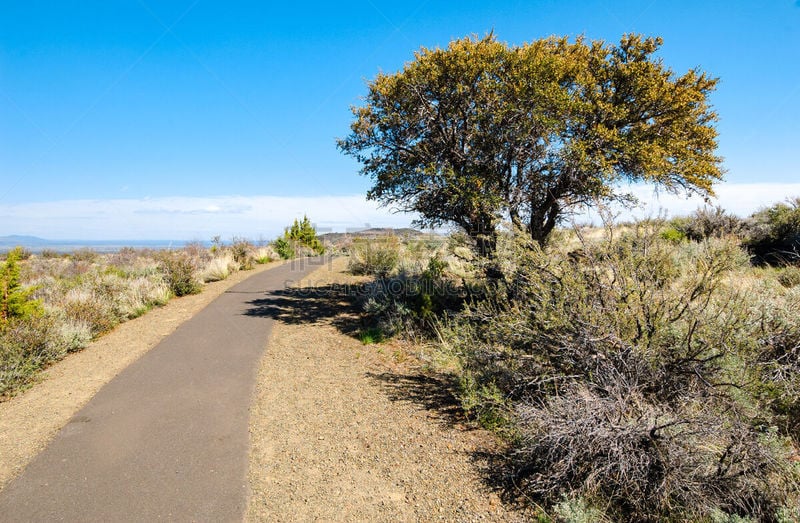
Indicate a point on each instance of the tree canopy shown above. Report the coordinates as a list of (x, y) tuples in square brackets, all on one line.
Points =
[(482, 131)]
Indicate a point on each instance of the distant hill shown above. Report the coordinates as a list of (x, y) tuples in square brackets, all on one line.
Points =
[(375, 232), (26, 241)]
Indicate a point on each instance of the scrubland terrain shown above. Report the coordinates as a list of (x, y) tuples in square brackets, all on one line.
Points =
[(56, 304), (638, 372)]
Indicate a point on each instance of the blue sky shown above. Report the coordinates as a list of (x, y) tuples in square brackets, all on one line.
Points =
[(184, 119)]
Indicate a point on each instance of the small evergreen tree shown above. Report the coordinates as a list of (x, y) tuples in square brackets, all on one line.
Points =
[(300, 234), (15, 300)]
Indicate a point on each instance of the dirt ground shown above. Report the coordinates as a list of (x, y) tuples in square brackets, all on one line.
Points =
[(31, 419), (342, 431)]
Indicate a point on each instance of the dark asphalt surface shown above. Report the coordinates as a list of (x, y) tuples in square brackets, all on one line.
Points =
[(166, 439)]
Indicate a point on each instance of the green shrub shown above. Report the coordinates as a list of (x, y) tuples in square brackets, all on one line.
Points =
[(774, 234), (303, 234), (300, 239), (15, 299), (179, 273), (371, 335), (284, 248), (673, 235), (706, 223)]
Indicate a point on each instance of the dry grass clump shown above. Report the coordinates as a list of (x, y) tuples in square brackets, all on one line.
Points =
[(377, 257), (85, 294), (218, 268), (265, 254)]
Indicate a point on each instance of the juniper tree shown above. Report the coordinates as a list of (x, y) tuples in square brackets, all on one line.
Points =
[(483, 131)]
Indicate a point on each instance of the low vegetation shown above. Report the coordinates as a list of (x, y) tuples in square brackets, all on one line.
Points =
[(53, 303), (638, 373)]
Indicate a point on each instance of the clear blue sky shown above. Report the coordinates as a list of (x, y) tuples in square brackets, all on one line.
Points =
[(145, 100)]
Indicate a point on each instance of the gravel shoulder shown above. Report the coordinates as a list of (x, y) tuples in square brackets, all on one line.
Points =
[(31, 419), (342, 431)]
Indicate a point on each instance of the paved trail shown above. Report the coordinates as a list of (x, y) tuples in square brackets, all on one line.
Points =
[(167, 439)]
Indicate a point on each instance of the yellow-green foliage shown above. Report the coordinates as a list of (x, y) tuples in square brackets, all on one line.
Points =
[(15, 299), (481, 130)]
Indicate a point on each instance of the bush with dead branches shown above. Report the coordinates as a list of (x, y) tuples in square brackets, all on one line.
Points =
[(633, 375)]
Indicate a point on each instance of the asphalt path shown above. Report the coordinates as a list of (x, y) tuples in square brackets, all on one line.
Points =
[(167, 438)]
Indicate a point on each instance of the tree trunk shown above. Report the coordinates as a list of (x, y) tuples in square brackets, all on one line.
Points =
[(543, 222), (486, 243)]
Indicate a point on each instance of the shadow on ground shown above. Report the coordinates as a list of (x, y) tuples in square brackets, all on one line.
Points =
[(337, 305), (437, 395), (331, 304), (433, 393)]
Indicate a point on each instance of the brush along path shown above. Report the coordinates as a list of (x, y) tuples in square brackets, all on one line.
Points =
[(341, 432), (29, 420), (167, 437)]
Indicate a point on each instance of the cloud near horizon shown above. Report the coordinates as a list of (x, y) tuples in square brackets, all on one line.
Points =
[(190, 218)]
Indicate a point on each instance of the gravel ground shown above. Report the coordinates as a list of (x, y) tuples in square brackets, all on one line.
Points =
[(341, 431)]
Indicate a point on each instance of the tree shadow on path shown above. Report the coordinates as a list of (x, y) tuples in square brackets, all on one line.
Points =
[(329, 304)]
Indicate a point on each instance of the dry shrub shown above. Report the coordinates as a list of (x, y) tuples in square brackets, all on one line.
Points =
[(82, 299), (377, 257), (84, 254), (243, 253), (179, 272), (218, 268), (789, 276), (85, 306), (26, 348), (629, 374), (610, 443)]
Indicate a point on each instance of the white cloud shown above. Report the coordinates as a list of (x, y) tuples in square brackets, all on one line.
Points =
[(741, 199), (187, 218)]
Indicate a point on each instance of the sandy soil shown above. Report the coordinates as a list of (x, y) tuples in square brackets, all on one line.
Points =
[(342, 431), (29, 420)]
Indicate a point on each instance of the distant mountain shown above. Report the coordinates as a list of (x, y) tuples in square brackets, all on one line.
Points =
[(26, 241)]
